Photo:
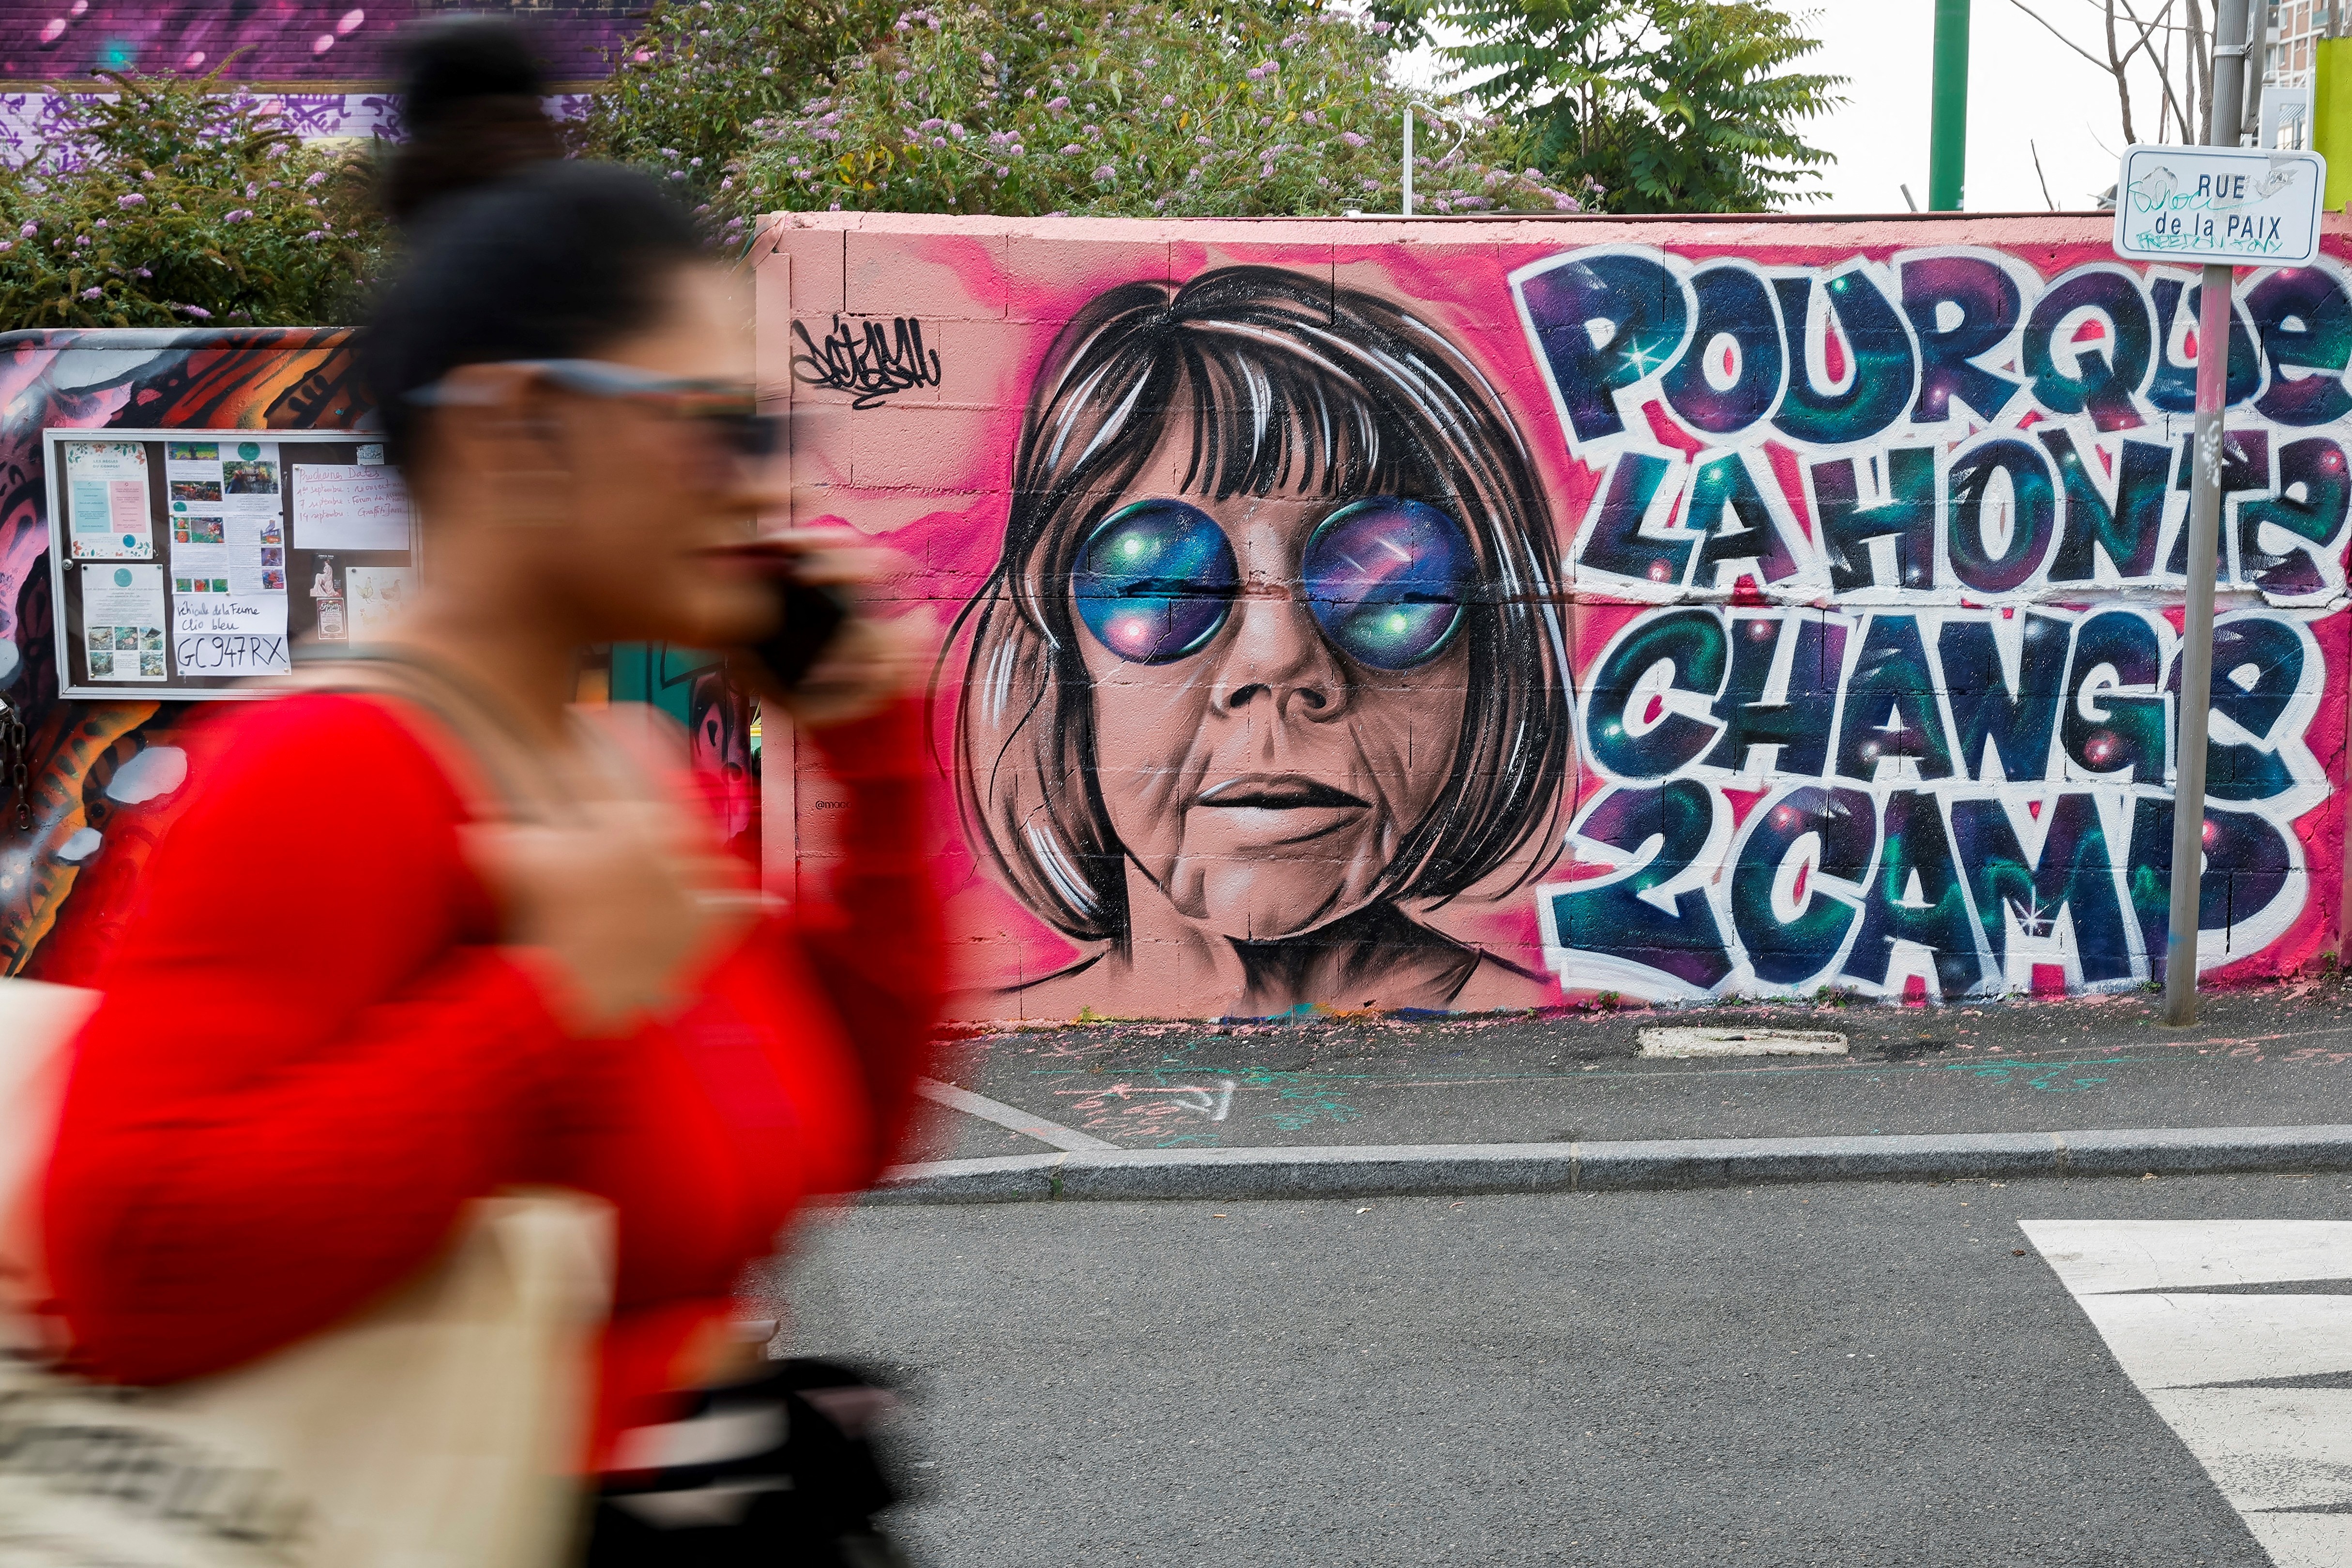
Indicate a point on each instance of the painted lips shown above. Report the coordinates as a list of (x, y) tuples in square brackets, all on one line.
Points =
[(1278, 792)]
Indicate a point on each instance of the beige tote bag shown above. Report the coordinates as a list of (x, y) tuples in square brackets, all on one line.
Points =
[(443, 1427)]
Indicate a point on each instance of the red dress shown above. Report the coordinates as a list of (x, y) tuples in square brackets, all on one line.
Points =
[(312, 1051)]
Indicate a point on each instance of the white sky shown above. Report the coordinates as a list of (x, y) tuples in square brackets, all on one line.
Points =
[(2025, 91)]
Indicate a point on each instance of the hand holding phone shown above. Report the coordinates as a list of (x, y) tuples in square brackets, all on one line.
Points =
[(827, 660)]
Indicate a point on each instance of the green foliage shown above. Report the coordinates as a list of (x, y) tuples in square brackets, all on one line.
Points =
[(1101, 106), (686, 91), (179, 202), (1666, 105)]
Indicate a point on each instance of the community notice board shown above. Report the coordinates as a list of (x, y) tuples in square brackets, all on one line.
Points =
[(187, 563)]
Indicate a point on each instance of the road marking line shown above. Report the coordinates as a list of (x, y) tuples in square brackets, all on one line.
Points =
[(1004, 1115), (2277, 1454)]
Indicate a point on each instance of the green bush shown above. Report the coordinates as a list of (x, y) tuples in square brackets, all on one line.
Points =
[(179, 202), (1101, 107), (685, 92)]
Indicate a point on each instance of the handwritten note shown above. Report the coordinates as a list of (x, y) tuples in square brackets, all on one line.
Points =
[(230, 634), (339, 508)]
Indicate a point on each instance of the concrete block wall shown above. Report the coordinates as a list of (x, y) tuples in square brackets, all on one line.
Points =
[(1496, 614)]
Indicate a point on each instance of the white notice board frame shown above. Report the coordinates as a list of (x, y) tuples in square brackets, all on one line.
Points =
[(72, 679)]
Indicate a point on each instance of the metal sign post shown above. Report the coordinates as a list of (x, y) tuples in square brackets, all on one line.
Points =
[(2222, 205)]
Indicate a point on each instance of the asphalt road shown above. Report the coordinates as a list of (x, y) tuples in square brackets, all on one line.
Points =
[(1839, 1375), (2277, 1056)]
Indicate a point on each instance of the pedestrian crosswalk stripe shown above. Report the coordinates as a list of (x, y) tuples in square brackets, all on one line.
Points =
[(2254, 1383)]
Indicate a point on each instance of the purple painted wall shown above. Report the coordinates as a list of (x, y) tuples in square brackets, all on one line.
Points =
[(337, 43)]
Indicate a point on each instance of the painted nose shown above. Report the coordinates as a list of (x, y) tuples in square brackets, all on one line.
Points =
[(1276, 657)]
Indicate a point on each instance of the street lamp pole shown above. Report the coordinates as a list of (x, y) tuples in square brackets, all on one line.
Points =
[(1947, 142), (2213, 324)]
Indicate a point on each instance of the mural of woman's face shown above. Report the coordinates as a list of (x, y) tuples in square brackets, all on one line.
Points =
[(1278, 691)]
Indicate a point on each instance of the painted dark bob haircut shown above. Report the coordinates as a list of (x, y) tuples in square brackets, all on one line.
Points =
[(1290, 386)]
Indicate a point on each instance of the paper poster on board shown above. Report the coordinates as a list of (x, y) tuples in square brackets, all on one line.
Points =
[(199, 550), (375, 596), (252, 477), (230, 634), (105, 500), (123, 622), (340, 507)]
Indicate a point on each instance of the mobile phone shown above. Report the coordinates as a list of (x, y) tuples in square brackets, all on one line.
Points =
[(809, 615)]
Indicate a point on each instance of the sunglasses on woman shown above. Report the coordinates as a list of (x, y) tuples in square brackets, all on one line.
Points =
[(723, 409), (1384, 578)]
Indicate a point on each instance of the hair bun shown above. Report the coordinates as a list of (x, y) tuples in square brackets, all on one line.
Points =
[(470, 104)]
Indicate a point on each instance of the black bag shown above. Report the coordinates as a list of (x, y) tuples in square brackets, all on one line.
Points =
[(776, 1473)]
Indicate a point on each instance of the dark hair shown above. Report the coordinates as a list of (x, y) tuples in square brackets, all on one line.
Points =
[(470, 110), (554, 262), (1289, 382)]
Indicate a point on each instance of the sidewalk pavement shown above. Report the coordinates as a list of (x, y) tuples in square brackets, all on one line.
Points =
[(1518, 1103)]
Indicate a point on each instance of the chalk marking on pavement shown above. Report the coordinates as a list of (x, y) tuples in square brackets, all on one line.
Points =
[(1684, 1042), (2283, 1456), (1004, 1115)]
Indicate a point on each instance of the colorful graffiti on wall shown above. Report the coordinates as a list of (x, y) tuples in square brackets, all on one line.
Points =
[(105, 776), (1365, 615), (1947, 693)]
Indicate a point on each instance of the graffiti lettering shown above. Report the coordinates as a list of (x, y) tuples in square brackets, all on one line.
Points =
[(869, 360), (1891, 747)]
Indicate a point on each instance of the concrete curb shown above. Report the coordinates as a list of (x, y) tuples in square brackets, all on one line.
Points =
[(1458, 1169)]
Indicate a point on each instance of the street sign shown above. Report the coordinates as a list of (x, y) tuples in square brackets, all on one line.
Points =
[(2220, 205)]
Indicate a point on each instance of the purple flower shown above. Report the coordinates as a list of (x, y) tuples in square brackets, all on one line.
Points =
[(1254, 74), (141, 272), (1094, 130), (314, 181), (1353, 140), (1016, 151), (1380, 29), (1057, 104), (939, 141), (320, 233), (1203, 142), (80, 240), (1072, 151), (93, 293), (1169, 102), (238, 216), (1001, 171), (133, 200), (100, 223), (28, 231), (932, 124), (1104, 175), (7, 244)]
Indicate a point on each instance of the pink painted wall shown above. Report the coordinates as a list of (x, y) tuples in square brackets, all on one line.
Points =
[(1491, 614)]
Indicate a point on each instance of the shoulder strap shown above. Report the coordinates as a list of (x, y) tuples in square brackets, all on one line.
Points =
[(502, 776)]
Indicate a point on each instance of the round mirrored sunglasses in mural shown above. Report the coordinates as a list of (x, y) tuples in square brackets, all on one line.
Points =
[(1248, 711), (1385, 578)]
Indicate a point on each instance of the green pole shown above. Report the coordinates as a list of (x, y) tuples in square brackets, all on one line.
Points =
[(1947, 146)]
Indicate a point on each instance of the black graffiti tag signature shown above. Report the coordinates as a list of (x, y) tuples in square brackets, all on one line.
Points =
[(867, 358)]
